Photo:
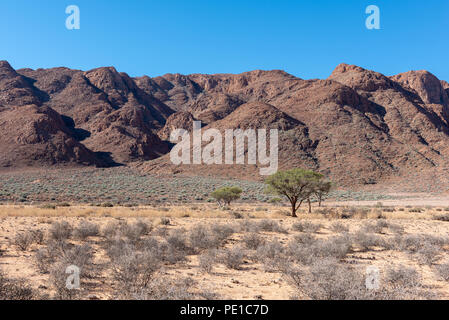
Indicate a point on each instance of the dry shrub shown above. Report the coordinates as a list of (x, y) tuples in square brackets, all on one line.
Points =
[(272, 255), (249, 226), (133, 270), (308, 251), (15, 289), (80, 256), (233, 258), (134, 232), (402, 276), (339, 227), (206, 237), (37, 235), (165, 221), (169, 254), (442, 217), (47, 256), (371, 227), (164, 288), (366, 241), (44, 260), (307, 226), (253, 240), (404, 283), (429, 253), (415, 242), (200, 237), (110, 230), (207, 260), (329, 212), (396, 228), (178, 240), (443, 271), (271, 226), (23, 240), (58, 279), (86, 229), (354, 212), (326, 279), (223, 231), (57, 257), (60, 231)]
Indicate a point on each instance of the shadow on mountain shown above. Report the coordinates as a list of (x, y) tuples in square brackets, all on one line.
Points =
[(106, 160), (78, 133)]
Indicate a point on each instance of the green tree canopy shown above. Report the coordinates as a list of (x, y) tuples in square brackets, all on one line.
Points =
[(226, 195), (296, 185), (321, 189)]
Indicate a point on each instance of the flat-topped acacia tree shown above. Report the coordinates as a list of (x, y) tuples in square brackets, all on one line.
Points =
[(296, 185), (321, 190), (226, 195)]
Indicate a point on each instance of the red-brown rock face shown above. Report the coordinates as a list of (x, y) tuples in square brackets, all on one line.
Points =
[(358, 126)]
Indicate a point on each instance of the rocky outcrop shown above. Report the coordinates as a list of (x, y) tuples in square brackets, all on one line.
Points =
[(358, 126)]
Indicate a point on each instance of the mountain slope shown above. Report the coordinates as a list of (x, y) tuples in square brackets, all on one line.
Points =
[(357, 127)]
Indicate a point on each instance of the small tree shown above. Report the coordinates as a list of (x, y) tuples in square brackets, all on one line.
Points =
[(322, 189), (226, 195), (296, 185)]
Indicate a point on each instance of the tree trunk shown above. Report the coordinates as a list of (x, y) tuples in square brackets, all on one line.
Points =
[(310, 205), (294, 209), (319, 201)]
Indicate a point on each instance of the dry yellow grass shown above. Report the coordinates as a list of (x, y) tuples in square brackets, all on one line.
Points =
[(209, 211)]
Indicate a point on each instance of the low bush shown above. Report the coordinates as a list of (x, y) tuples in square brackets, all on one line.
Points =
[(168, 289), (339, 227), (326, 279), (60, 231), (443, 271), (15, 289), (307, 226), (86, 229), (365, 241), (233, 258), (252, 240), (24, 240), (442, 217), (271, 226), (134, 270), (429, 253), (207, 260), (134, 232), (165, 221)]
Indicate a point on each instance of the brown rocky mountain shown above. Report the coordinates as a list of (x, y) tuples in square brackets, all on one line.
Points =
[(357, 126), (107, 111)]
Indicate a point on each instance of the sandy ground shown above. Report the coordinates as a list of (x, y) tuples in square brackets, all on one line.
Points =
[(250, 282)]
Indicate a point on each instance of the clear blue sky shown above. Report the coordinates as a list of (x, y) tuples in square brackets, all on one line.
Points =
[(305, 38)]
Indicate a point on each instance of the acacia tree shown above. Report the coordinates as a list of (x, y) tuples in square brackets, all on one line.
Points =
[(296, 185), (226, 195), (322, 189)]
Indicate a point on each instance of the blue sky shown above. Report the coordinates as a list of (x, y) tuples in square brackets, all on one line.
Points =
[(305, 38)]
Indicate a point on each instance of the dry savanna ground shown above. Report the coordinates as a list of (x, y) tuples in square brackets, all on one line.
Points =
[(203, 252)]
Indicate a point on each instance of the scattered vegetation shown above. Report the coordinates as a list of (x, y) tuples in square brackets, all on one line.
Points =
[(298, 185), (225, 195), (320, 258)]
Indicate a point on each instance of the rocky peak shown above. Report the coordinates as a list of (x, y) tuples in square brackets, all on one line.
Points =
[(426, 85)]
